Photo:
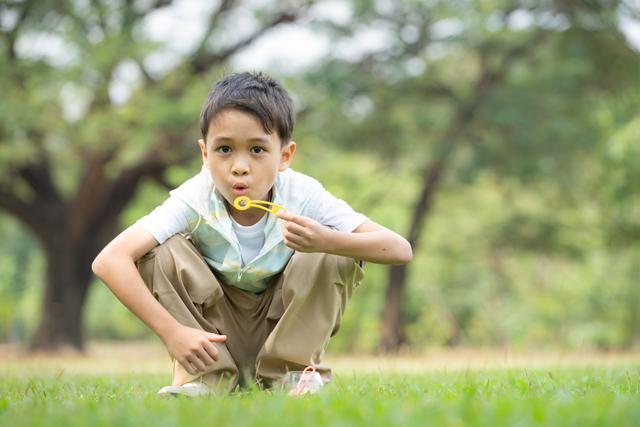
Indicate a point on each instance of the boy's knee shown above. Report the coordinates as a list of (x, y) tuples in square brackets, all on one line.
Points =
[(332, 268), (308, 264), (176, 263), (164, 256), (346, 268)]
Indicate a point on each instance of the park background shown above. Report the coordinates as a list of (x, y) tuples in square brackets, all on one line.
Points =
[(501, 137)]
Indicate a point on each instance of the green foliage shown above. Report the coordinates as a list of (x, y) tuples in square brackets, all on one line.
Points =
[(533, 237), (21, 269), (109, 320), (520, 247)]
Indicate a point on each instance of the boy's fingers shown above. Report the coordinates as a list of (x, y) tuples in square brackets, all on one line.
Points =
[(295, 228), (204, 355), (291, 217), (293, 238), (285, 215), (195, 361), (211, 350), (217, 338), (188, 367)]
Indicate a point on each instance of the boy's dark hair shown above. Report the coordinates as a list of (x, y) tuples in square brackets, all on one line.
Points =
[(256, 94)]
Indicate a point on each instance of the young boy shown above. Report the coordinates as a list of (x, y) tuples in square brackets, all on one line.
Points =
[(238, 295)]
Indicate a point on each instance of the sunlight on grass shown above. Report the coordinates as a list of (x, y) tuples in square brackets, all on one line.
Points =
[(580, 396), (116, 386), (151, 357)]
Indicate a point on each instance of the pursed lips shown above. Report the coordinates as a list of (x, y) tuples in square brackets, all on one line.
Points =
[(240, 189)]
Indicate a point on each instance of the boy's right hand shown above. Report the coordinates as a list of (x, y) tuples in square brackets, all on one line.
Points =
[(193, 348)]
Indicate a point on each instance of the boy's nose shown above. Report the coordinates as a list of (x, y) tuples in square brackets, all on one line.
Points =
[(240, 169)]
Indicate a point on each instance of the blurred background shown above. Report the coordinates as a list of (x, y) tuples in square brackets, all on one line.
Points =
[(501, 137)]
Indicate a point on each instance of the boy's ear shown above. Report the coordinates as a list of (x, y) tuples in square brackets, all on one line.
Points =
[(203, 150), (286, 155)]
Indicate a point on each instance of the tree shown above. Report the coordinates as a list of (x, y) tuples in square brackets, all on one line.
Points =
[(71, 153), (477, 81)]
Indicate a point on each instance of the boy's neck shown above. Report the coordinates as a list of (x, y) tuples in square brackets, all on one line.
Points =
[(243, 218)]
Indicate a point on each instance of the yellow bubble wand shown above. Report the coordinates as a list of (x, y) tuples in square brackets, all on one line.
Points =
[(243, 203)]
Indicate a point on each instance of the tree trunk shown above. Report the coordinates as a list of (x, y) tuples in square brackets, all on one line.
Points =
[(393, 333), (72, 230), (67, 282)]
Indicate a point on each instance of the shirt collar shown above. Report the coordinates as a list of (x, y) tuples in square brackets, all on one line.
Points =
[(218, 210)]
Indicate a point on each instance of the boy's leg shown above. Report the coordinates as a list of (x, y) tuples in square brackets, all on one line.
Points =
[(245, 314), (310, 299), (182, 282)]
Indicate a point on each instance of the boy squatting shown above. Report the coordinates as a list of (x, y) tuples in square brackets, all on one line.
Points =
[(245, 295)]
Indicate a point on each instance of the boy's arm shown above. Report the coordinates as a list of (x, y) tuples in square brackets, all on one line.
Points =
[(115, 266), (369, 241)]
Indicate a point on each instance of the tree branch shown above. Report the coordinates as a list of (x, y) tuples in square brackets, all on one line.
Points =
[(204, 61), (38, 176), (117, 194), (12, 35), (88, 193), (28, 213), (161, 180), (225, 5), (466, 114), (131, 15), (98, 7)]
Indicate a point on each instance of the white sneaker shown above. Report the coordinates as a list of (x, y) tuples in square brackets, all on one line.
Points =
[(299, 383), (191, 389)]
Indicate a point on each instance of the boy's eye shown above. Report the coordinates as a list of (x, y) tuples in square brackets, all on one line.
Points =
[(224, 149), (257, 150)]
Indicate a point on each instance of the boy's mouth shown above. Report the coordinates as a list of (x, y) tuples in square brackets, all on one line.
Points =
[(240, 189), (240, 192)]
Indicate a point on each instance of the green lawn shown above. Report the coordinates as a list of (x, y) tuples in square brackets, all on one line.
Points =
[(561, 396)]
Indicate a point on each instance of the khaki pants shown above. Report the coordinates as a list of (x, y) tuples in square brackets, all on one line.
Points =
[(285, 328)]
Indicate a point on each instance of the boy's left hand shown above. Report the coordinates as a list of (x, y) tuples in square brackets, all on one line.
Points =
[(303, 234)]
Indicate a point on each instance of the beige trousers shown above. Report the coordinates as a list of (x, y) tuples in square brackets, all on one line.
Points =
[(285, 328)]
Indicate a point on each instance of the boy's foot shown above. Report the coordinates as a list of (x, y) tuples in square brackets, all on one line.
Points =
[(191, 389), (305, 382)]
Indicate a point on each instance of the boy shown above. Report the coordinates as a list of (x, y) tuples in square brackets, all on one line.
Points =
[(241, 294)]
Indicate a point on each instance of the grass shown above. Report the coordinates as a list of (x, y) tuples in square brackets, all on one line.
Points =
[(578, 394)]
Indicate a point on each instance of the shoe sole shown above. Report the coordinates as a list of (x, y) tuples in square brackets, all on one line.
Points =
[(177, 391)]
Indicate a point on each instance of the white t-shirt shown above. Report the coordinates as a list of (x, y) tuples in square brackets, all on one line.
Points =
[(250, 237), (170, 218)]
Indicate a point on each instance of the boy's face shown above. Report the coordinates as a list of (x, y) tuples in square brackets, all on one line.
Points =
[(243, 160)]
